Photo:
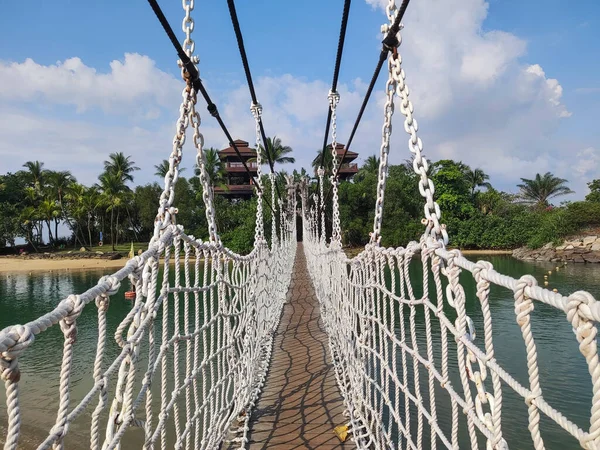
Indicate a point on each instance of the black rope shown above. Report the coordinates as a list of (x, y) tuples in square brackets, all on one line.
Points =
[(240, 42), (336, 72), (390, 44), (199, 87)]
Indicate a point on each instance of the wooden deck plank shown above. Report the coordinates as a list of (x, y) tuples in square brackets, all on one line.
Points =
[(300, 404)]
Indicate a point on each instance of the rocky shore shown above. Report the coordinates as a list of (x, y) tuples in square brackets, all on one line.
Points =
[(584, 249)]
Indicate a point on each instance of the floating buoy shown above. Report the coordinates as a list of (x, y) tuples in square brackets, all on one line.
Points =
[(545, 277), (549, 272), (554, 290), (130, 295), (545, 283), (557, 268)]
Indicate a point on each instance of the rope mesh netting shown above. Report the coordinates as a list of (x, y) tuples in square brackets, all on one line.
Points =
[(403, 346), (194, 349)]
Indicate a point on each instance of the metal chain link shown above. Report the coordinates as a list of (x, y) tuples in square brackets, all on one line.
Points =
[(166, 212), (321, 174), (188, 27), (259, 232), (336, 232), (207, 191), (390, 88)]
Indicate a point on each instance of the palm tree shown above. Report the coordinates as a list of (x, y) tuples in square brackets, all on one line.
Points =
[(113, 193), (214, 167), (542, 188), (327, 163), (90, 200), (57, 184), (477, 178), (371, 165), (121, 165), (35, 173), (276, 151), (48, 211), (163, 168), (298, 176)]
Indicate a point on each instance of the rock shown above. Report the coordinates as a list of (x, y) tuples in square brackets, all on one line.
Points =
[(69, 252), (548, 246), (588, 240), (561, 247), (569, 246), (82, 249), (591, 258), (99, 253), (595, 247)]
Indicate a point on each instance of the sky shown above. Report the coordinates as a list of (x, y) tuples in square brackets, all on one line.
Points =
[(508, 86)]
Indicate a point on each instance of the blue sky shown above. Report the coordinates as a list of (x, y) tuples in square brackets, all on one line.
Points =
[(509, 86)]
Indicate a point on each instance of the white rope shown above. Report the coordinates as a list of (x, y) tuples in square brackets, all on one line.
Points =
[(217, 317), (369, 310)]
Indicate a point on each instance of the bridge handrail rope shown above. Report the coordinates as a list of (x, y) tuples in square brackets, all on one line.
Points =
[(369, 307), (216, 317)]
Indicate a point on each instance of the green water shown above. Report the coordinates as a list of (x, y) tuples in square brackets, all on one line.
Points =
[(565, 380)]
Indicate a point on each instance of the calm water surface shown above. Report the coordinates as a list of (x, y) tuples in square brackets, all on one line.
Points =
[(565, 379)]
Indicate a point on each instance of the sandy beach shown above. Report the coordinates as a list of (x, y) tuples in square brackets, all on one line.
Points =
[(20, 265)]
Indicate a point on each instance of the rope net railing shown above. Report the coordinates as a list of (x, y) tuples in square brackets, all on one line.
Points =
[(190, 358), (411, 368)]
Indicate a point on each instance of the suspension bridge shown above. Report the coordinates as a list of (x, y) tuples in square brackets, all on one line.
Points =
[(298, 346)]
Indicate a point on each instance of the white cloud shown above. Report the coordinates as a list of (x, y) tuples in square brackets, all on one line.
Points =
[(476, 96), (131, 85)]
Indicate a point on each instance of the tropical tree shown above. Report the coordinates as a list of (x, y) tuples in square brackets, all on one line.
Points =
[(277, 152), (48, 210), (163, 168), (327, 162), (298, 176), (477, 178), (594, 195), (371, 165), (35, 173), (114, 192), (120, 165), (214, 167), (57, 184), (542, 188)]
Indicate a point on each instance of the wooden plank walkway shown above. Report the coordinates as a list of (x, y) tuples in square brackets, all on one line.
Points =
[(300, 404)]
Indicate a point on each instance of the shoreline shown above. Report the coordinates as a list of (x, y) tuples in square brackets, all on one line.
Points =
[(48, 265), (42, 265)]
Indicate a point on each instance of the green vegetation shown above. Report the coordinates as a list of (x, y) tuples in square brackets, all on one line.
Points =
[(36, 202), (477, 215)]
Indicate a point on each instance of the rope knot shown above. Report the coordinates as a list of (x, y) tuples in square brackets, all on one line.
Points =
[(102, 302), (481, 269), (523, 305), (113, 284), (579, 308), (530, 398), (9, 370), (68, 324)]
